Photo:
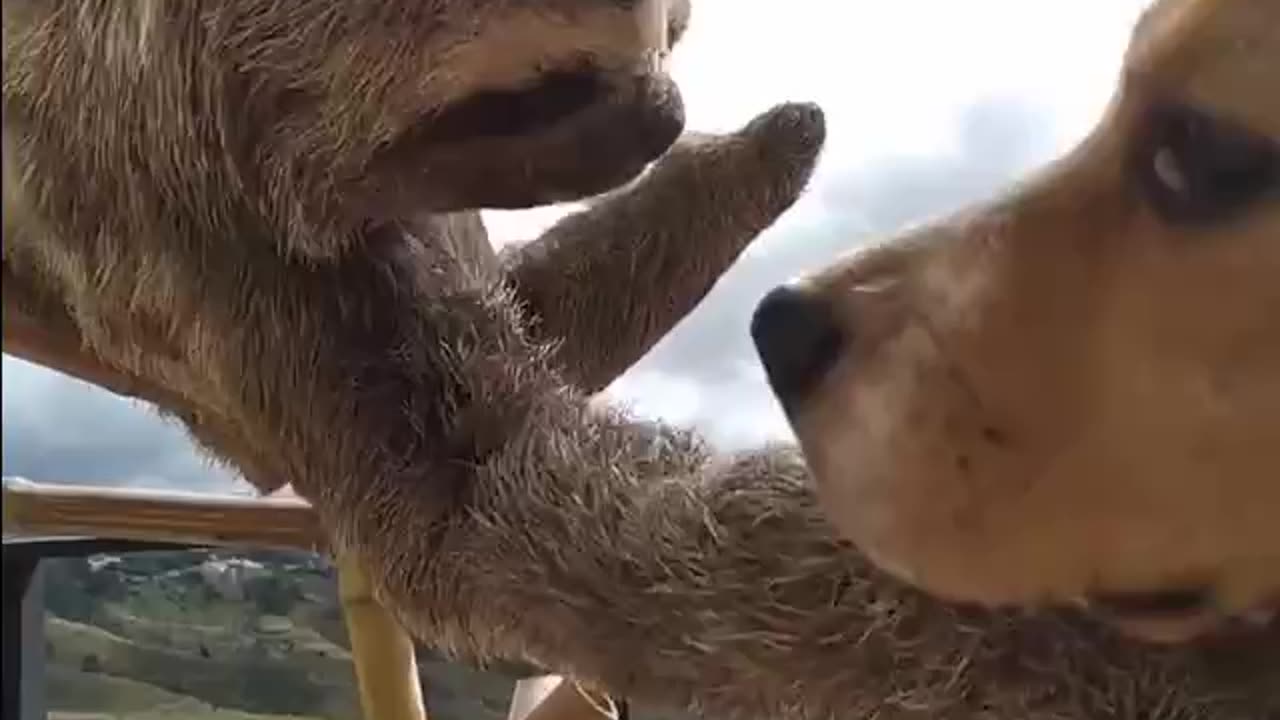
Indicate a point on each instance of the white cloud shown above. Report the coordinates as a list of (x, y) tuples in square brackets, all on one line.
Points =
[(898, 81)]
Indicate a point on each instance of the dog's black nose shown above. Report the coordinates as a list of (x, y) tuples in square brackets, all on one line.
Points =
[(797, 339)]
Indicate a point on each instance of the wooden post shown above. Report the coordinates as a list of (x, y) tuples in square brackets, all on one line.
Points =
[(24, 660), (386, 668)]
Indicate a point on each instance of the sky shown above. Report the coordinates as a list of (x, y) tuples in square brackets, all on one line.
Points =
[(930, 104)]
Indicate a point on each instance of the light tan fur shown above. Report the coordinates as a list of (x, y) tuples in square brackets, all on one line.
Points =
[(1062, 394)]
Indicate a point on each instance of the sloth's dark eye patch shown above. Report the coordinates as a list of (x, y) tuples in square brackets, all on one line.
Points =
[(1196, 168)]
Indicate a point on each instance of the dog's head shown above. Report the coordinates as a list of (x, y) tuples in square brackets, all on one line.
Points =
[(1072, 391), (334, 115)]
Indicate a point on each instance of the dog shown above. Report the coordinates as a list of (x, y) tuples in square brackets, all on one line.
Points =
[(1070, 393)]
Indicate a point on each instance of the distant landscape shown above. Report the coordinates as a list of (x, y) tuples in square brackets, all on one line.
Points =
[(213, 636)]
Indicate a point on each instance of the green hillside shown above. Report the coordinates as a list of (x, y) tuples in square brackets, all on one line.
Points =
[(204, 635)]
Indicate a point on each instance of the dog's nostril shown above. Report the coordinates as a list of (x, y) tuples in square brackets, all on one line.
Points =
[(797, 339)]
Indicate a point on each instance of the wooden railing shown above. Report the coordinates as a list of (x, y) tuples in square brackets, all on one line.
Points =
[(386, 669)]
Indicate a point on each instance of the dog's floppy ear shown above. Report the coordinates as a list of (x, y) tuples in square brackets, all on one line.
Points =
[(608, 282)]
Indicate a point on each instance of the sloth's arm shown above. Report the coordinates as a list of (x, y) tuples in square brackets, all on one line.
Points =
[(608, 282), (621, 555), (39, 329)]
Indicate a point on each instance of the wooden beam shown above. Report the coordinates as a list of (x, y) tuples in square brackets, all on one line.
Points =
[(170, 516)]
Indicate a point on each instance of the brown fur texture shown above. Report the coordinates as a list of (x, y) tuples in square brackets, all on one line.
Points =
[(187, 268), (249, 203), (1071, 392)]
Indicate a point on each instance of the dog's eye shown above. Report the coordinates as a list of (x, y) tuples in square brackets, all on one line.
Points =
[(1197, 168)]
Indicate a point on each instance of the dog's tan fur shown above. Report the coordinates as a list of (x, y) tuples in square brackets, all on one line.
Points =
[(1062, 394), (197, 191)]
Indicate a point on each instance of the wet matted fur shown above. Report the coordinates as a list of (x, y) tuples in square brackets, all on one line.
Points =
[(260, 206)]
